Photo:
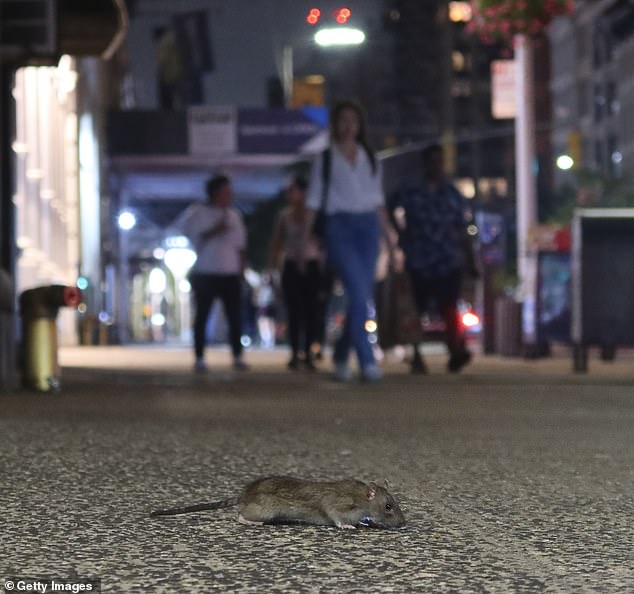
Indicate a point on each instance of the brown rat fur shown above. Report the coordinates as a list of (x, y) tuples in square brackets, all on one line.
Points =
[(345, 503)]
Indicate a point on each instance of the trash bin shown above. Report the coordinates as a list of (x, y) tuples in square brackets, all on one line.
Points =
[(602, 282), (38, 309), (508, 327)]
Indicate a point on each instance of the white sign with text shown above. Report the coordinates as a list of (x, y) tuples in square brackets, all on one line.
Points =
[(212, 130), (503, 101)]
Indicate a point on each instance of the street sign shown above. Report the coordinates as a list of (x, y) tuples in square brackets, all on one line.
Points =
[(503, 101), (212, 130), (280, 131)]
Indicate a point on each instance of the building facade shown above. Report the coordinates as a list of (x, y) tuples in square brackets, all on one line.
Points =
[(236, 47), (441, 91), (593, 87), (49, 200)]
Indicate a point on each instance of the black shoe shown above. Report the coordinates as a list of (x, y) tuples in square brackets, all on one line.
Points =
[(458, 360), (309, 365), (293, 364), (240, 365), (418, 367)]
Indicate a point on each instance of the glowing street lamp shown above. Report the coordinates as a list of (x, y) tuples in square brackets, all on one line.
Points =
[(565, 162), (126, 220), (157, 281), (179, 260), (460, 12), (335, 36)]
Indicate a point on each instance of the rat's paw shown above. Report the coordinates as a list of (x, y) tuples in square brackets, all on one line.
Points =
[(345, 526)]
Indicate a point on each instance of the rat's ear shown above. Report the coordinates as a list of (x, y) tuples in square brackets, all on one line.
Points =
[(386, 485), (372, 488)]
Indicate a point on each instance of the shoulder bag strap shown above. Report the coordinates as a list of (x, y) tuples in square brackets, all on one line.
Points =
[(326, 158)]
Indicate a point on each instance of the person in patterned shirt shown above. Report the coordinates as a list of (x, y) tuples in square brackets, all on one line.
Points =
[(430, 218)]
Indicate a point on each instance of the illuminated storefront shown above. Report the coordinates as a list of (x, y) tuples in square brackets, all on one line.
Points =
[(47, 181)]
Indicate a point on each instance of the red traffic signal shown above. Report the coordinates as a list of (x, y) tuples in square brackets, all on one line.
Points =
[(342, 15), (312, 18)]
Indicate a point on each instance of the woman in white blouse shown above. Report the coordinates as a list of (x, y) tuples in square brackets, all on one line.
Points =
[(353, 204)]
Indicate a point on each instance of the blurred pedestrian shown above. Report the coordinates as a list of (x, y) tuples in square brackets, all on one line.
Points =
[(218, 235), (169, 68), (266, 311), (433, 236), (346, 186), (322, 315), (301, 263)]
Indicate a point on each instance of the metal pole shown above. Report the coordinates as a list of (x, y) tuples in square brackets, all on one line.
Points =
[(448, 116), (287, 74), (8, 318), (477, 142), (122, 304), (526, 182), (7, 123)]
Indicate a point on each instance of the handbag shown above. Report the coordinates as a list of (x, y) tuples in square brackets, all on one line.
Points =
[(397, 317), (319, 224)]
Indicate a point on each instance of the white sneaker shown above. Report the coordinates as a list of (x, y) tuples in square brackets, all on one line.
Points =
[(372, 373), (200, 366), (342, 372)]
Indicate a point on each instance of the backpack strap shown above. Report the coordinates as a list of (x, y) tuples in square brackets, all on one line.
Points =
[(326, 161)]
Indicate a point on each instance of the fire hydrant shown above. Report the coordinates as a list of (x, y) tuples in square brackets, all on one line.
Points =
[(38, 308)]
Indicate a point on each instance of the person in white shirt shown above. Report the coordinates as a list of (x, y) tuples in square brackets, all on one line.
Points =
[(218, 235), (354, 207)]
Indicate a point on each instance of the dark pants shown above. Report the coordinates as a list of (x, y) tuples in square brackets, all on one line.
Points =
[(326, 283), (445, 292), (207, 288), (301, 295)]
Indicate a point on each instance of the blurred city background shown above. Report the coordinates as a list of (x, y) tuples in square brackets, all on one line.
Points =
[(115, 112)]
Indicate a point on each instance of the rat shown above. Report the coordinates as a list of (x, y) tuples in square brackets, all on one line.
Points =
[(346, 503)]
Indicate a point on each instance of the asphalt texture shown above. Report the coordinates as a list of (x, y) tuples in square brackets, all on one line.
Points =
[(514, 476)]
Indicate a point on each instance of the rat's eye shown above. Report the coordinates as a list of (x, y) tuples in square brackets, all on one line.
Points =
[(388, 506)]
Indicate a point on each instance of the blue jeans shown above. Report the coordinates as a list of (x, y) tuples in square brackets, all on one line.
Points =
[(352, 243)]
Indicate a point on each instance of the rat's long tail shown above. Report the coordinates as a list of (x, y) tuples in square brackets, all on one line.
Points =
[(195, 508)]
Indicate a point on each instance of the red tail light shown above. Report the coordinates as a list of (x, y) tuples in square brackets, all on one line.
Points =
[(469, 319), (72, 296)]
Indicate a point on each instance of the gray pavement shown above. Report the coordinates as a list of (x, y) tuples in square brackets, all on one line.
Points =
[(515, 476)]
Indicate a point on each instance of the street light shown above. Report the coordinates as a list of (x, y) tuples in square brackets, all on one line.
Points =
[(332, 36), (126, 220), (326, 37), (565, 162), (179, 260)]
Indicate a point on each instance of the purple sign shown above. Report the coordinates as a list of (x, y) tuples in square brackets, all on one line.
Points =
[(277, 130)]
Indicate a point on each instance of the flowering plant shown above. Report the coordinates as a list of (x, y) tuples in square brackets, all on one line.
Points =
[(502, 19)]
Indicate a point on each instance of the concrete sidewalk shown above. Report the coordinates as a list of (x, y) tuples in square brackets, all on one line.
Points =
[(515, 476), (179, 359)]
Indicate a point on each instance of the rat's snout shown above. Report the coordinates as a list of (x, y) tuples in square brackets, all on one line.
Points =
[(386, 512), (399, 518), (388, 524), (392, 516)]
